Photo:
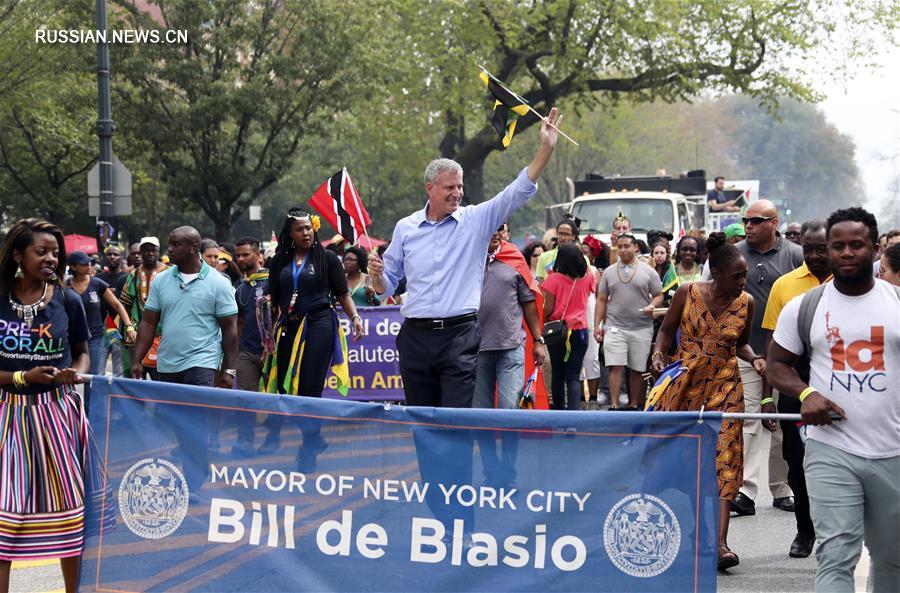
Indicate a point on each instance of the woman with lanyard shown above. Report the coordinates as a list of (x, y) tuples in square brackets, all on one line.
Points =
[(92, 290), (43, 424), (304, 280), (361, 291)]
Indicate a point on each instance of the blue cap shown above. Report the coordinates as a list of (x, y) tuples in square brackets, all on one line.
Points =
[(77, 258)]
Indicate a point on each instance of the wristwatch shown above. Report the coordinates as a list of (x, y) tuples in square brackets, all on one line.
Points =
[(540, 340), (232, 372)]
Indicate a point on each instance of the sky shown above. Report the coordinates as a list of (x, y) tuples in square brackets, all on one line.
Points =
[(867, 109)]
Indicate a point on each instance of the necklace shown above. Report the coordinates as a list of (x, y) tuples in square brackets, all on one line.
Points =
[(619, 267), (27, 312)]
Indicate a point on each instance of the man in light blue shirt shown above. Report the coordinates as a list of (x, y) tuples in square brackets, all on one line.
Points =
[(440, 250), (198, 314), (196, 307)]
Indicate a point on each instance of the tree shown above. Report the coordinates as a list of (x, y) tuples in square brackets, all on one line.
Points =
[(226, 113), (583, 50), (798, 157), (47, 143)]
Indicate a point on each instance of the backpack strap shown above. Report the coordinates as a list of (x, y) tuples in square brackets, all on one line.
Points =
[(807, 312)]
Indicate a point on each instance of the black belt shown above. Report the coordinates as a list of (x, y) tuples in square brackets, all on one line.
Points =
[(299, 316), (443, 323)]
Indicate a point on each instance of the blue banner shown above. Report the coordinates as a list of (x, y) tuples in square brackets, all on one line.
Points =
[(372, 497)]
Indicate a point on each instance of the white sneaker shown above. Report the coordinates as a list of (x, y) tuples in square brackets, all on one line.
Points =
[(603, 399), (623, 399)]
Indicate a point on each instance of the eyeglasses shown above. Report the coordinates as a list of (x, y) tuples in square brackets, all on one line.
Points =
[(761, 270), (756, 220), (792, 233)]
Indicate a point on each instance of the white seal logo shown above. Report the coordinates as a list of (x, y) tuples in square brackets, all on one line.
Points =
[(642, 536), (153, 498)]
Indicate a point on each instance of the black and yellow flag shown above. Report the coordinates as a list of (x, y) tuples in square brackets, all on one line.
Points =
[(507, 110)]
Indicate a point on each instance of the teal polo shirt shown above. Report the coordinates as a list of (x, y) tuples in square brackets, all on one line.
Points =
[(189, 317)]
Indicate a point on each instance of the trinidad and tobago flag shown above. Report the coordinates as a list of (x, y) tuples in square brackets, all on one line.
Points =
[(338, 202)]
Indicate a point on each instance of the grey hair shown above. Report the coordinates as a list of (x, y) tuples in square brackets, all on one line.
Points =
[(813, 226), (436, 166)]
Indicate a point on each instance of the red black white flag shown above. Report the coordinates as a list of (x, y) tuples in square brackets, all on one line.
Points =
[(339, 203)]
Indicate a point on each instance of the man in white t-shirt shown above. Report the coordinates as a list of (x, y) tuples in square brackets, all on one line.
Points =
[(853, 465)]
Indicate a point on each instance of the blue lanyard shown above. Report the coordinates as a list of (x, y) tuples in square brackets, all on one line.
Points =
[(297, 271)]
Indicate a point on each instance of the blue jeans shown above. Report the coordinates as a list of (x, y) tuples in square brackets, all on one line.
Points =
[(95, 348), (116, 351), (567, 391), (504, 369)]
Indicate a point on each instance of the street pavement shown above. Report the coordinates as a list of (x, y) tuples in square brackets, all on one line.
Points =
[(761, 541)]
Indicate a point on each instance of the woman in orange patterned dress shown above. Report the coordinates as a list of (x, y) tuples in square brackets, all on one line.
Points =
[(715, 320)]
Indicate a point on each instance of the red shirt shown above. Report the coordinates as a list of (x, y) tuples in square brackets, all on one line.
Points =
[(560, 286)]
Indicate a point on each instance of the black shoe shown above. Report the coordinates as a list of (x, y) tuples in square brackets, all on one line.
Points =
[(742, 505), (785, 503), (802, 546)]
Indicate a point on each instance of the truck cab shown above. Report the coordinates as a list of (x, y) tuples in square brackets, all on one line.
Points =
[(672, 204)]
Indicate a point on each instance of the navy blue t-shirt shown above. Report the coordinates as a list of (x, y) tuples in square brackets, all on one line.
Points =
[(246, 296), (92, 299), (47, 343), (716, 196), (312, 292)]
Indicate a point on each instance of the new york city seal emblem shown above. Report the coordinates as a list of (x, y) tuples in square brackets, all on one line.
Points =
[(153, 498), (641, 535)]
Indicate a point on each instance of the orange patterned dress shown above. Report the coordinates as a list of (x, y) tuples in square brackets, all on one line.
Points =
[(708, 348)]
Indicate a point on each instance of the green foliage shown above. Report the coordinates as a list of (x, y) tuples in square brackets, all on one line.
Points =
[(47, 116), (225, 114)]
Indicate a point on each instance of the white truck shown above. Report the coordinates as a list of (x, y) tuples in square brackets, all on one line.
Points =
[(672, 204)]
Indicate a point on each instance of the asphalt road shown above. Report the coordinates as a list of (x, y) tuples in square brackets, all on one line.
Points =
[(761, 542)]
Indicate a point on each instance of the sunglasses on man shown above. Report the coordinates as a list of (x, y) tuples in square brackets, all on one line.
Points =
[(756, 220)]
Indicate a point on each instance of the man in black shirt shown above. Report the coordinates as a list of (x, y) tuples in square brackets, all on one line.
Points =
[(114, 275)]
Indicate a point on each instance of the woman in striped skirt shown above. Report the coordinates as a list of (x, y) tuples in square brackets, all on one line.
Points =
[(43, 427)]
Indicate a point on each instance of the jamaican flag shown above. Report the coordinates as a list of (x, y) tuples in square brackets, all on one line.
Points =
[(508, 108)]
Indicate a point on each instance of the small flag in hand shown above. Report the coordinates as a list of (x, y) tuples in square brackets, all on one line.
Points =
[(339, 203), (508, 108), (666, 378)]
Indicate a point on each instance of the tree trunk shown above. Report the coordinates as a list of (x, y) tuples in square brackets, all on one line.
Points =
[(223, 227), (472, 157)]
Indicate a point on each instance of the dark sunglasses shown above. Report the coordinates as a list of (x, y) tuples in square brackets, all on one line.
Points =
[(792, 233), (756, 220)]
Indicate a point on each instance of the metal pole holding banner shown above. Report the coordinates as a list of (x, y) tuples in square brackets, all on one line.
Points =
[(105, 126), (725, 415)]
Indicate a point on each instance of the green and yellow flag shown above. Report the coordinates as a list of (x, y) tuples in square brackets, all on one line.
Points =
[(508, 108)]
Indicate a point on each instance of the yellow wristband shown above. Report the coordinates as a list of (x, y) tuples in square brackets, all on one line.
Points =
[(805, 393), (768, 400)]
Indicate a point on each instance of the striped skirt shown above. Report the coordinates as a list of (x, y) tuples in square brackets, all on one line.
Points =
[(43, 445)]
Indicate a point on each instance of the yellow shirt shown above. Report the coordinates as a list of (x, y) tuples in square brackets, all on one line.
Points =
[(784, 289)]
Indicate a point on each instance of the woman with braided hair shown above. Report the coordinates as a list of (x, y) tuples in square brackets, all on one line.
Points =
[(304, 281), (43, 426), (714, 319)]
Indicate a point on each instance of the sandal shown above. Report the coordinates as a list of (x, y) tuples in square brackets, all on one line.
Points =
[(727, 558)]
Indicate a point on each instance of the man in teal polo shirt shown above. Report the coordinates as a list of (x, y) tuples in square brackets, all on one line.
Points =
[(198, 315), (196, 308)]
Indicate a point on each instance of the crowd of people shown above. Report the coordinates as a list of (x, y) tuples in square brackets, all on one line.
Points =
[(600, 319)]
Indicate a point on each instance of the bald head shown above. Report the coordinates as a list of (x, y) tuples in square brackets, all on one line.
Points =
[(760, 222), (188, 234), (184, 248), (761, 208)]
